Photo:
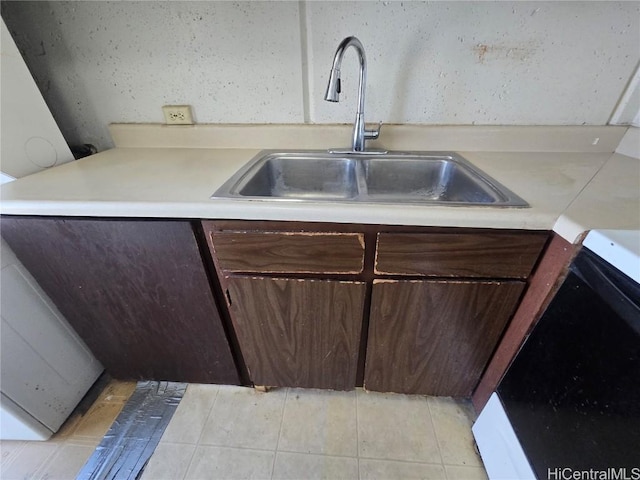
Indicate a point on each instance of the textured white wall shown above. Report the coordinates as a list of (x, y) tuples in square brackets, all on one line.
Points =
[(104, 62), (480, 62), (267, 62)]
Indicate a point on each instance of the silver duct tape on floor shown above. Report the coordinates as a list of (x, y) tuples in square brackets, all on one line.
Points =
[(134, 435)]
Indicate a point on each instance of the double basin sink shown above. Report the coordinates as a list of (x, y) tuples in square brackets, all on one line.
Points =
[(393, 177)]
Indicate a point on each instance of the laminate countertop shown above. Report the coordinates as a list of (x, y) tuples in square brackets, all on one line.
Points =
[(568, 191)]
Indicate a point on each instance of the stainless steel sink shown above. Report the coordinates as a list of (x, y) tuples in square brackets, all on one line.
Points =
[(300, 177), (394, 177), (428, 179)]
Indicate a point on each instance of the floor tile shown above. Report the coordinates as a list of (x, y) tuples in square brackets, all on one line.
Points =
[(170, 461), (296, 466), (212, 463), (319, 421), (9, 449), (452, 420), (68, 428), (98, 419), (395, 427), (67, 461), (117, 391), (388, 469), (189, 419), (29, 460), (242, 417), (457, 472)]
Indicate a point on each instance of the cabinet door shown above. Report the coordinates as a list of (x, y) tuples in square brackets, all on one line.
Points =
[(298, 332), (135, 291), (435, 337)]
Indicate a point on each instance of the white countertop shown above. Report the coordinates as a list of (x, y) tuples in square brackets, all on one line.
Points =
[(572, 191)]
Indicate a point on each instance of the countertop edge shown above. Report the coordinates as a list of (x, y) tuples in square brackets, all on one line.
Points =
[(177, 183)]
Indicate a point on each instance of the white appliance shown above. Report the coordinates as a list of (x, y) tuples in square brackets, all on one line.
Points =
[(45, 369), (31, 140)]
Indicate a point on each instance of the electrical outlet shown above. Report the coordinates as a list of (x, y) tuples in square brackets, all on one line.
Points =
[(177, 115)]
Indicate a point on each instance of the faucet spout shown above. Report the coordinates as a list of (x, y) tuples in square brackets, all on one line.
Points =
[(360, 134)]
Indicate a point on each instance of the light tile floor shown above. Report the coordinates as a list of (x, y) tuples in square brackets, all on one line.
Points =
[(237, 433), (222, 432), (64, 454)]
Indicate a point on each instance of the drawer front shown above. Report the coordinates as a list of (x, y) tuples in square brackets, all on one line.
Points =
[(289, 252), (474, 255)]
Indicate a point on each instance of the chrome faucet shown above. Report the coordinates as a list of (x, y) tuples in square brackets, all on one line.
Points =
[(360, 133)]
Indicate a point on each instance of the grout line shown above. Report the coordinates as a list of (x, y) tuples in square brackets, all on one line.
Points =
[(275, 453), (6, 462), (410, 462), (174, 442), (206, 421), (435, 434), (318, 454), (251, 449), (47, 462)]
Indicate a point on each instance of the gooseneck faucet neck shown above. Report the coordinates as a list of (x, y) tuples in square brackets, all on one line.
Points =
[(360, 134)]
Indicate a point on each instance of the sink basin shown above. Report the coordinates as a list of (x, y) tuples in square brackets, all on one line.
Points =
[(301, 177), (393, 177), (427, 179)]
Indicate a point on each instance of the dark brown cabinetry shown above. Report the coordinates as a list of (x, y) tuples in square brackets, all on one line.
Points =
[(432, 336), (435, 337), (462, 254), (136, 291), (290, 252), (298, 332), (296, 309), (427, 306), (398, 309)]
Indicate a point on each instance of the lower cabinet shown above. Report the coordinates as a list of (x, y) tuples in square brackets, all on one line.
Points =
[(136, 291), (316, 305), (435, 337), (395, 309), (298, 332)]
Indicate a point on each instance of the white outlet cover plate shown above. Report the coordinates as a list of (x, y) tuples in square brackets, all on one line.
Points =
[(177, 114)]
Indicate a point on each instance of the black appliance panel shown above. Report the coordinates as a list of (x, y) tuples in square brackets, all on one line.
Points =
[(572, 394)]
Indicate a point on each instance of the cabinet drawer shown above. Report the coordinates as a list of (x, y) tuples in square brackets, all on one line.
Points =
[(289, 252), (488, 255)]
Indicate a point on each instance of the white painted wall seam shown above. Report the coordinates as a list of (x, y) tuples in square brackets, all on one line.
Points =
[(304, 53)]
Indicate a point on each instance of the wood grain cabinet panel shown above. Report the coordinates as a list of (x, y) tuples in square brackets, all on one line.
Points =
[(487, 255), (435, 337), (422, 335), (136, 291), (289, 252), (298, 332)]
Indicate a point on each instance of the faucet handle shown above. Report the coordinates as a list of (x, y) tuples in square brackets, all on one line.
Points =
[(372, 134)]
